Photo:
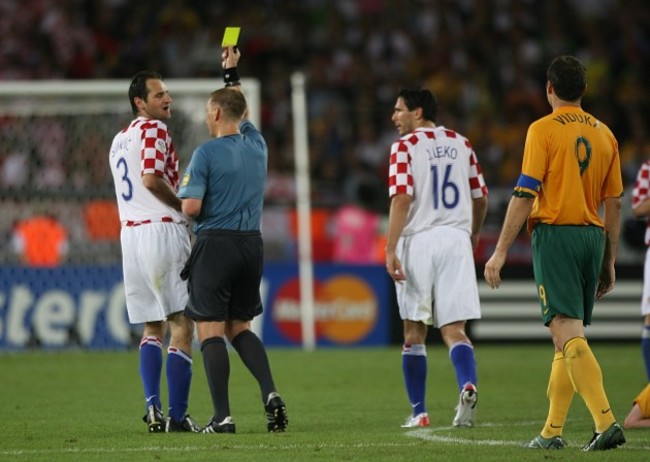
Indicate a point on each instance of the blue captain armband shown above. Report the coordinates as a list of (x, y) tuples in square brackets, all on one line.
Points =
[(528, 182), (527, 186)]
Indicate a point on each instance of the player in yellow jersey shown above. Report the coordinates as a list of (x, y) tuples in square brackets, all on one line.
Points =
[(570, 168)]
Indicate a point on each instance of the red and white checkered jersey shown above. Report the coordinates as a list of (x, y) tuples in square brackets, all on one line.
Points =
[(439, 169), (641, 192), (145, 146)]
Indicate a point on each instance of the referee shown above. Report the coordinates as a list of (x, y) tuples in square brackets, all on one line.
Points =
[(223, 190)]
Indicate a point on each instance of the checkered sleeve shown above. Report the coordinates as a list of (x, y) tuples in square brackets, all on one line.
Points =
[(155, 147), (642, 185), (476, 182), (400, 174), (172, 166)]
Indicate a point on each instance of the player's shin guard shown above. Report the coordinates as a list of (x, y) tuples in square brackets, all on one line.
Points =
[(464, 361), (560, 394), (414, 367), (179, 379), (151, 360), (587, 378)]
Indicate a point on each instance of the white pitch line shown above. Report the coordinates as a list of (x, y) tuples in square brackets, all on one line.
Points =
[(428, 434)]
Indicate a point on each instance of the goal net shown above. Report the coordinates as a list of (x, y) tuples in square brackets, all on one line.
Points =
[(54, 143)]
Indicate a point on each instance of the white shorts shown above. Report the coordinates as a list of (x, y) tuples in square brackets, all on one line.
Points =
[(645, 301), (438, 265), (153, 256)]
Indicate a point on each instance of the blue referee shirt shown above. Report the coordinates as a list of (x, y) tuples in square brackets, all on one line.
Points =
[(229, 175)]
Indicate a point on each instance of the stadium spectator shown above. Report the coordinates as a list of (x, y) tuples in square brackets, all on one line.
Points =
[(223, 190), (438, 206), (641, 209), (155, 246), (570, 168), (40, 240), (356, 229), (102, 220), (639, 415), (488, 58)]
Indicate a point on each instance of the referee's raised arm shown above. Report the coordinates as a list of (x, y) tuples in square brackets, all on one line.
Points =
[(230, 58)]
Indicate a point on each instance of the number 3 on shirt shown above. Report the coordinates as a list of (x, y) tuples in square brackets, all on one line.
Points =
[(122, 165), (447, 192)]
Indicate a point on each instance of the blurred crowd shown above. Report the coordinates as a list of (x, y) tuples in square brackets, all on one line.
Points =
[(485, 60)]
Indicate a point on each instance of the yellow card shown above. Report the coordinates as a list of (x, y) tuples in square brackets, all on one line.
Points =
[(230, 36)]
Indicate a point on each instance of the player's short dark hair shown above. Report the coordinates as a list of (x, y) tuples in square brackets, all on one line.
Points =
[(568, 77), (232, 102), (138, 87), (420, 98)]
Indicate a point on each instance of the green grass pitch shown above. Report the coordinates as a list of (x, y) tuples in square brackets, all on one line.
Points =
[(343, 405)]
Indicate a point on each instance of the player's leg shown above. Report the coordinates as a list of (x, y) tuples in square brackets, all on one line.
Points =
[(461, 353), (567, 286), (151, 361), (179, 372), (169, 247), (560, 394), (645, 312), (587, 379), (557, 281), (164, 249), (583, 369), (456, 295), (415, 299), (414, 369), (645, 345), (567, 263), (142, 308)]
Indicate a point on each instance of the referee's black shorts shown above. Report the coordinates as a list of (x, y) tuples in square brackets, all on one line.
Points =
[(224, 272)]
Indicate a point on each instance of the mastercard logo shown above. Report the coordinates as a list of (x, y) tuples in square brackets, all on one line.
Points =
[(345, 309)]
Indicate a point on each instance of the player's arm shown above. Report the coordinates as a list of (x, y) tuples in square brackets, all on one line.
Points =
[(479, 212), (636, 419), (612, 231), (161, 189), (640, 198), (643, 209), (518, 211), (399, 208)]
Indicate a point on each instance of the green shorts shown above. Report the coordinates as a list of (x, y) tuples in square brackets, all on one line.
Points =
[(566, 264)]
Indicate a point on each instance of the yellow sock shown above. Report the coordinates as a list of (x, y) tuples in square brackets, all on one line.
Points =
[(560, 394), (587, 378)]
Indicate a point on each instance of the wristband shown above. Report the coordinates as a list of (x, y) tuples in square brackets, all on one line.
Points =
[(230, 76)]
